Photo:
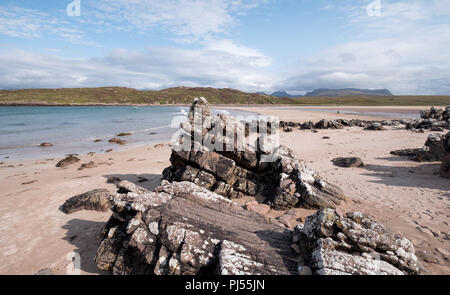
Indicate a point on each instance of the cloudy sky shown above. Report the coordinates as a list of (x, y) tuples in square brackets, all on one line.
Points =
[(251, 45)]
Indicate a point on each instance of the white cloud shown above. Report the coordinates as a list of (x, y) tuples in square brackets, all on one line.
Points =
[(193, 19), (153, 68), (404, 50), (33, 24), (196, 18)]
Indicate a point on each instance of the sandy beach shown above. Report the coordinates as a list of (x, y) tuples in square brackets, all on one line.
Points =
[(408, 197)]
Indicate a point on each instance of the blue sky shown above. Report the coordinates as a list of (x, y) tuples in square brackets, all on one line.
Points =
[(251, 45)]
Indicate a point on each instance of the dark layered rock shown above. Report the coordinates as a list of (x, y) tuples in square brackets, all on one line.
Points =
[(445, 166), (435, 119), (259, 167), (348, 162), (410, 152), (184, 229), (118, 141), (433, 150), (340, 124), (444, 171), (96, 200), (375, 127), (436, 113), (331, 244)]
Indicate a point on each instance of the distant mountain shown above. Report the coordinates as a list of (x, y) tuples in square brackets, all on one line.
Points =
[(348, 92), (283, 94)]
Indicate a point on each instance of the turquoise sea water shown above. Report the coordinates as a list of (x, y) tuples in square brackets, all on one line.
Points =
[(73, 130)]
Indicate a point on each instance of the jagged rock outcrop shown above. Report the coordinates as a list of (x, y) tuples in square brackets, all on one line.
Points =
[(436, 113), (434, 118), (254, 165), (432, 151), (182, 228), (96, 200), (331, 244), (445, 165), (339, 124)]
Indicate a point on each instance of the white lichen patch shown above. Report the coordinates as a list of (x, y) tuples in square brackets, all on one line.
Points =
[(154, 228)]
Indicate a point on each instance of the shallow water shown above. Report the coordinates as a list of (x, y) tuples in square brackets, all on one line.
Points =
[(73, 130)]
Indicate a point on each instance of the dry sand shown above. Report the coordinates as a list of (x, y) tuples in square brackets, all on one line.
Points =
[(407, 197)]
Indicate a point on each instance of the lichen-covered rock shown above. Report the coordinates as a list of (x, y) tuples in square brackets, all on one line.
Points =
[(254, 165), (96, 200), (353, 244), (182, 228)]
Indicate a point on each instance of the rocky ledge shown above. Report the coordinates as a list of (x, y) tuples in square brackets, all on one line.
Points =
[(437, 148), (256, 165), (432, 151), (340, 124), (354, 244), (182, 228), (436, 119)]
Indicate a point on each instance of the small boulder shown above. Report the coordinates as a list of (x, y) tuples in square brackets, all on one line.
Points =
[(96, 200), (348, 162), (124, 134), (69, 160), (118, 141), (46, 144)]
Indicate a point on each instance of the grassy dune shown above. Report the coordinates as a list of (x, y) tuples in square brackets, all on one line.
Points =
[(183, 95)]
